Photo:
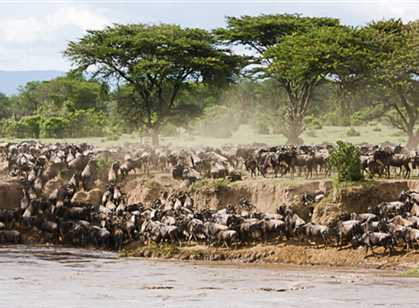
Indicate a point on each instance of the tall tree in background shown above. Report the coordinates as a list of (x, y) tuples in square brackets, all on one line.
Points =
[(298, 52), (394, 72), (5, 110), (157, 62), (52, 96)]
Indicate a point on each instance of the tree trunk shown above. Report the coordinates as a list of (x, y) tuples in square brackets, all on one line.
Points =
[(412, 141), (294, 130), (155, 140)]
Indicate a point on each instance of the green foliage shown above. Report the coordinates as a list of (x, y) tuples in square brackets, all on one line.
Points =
[(81, 123), (260, 32), (313, 122), (413, 272), (300, 62), (50, 97), (5, 106), (26, 127), (360, 117), (210, 185), (352, 132), (54, 127), (84, 123), (393, 71), (345, 159), (157, 62)]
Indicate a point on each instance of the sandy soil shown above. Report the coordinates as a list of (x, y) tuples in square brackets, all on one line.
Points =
[(283, 253)]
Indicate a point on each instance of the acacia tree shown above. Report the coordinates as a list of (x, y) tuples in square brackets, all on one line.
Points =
[(302, 61), (156, 62), (394, 72), (298, 52)]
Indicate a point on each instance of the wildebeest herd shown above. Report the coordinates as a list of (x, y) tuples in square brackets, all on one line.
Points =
[(110, 221)]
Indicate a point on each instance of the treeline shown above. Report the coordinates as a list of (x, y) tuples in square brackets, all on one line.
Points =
[(296, 72)]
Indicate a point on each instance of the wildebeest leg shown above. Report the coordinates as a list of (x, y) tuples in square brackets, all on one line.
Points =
[(324, 240), (366, 251), (407, 170)]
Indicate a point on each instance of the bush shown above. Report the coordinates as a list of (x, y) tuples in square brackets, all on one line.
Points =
[(85, 123), (317, 125), (352, 132), (54, 127), (345, 159), (26, 127), (32, 125), (360, 117), (312, 122)]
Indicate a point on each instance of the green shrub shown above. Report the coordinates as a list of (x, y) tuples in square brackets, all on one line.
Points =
[(85, 123), (352, 132), (113, 133), (26, 127), (32, 125), (312, 122), (54, 127), (360, 117), (345, 159), (17, 129)]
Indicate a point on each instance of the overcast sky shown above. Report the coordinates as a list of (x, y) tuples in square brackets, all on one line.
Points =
[(33, 34)]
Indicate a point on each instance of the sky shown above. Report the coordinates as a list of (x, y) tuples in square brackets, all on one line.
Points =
[(34, 33)]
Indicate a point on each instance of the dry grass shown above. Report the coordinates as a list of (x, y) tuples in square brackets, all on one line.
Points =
[(246, 135)]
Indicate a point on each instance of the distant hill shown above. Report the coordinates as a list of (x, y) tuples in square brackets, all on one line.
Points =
[(11, 80)]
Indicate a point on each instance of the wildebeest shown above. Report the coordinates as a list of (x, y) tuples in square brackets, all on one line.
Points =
[(374, 239)]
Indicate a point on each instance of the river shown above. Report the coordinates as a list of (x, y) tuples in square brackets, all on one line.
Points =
[(64, 277)]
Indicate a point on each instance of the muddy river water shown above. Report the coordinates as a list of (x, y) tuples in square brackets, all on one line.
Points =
[(62, 277)]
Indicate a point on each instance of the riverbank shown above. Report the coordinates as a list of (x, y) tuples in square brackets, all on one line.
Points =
[(283, 253)]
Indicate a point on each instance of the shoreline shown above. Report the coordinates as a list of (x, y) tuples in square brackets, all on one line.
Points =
[(277, 255), (282, 256)]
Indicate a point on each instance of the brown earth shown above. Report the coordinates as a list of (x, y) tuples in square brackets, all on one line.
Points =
[(283, 253), (267, 194)]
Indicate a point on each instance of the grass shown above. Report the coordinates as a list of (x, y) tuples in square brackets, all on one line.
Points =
[(414, 272), (246, 135), (210, 184)]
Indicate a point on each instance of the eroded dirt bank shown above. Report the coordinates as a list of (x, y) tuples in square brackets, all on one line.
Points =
[(282, 253), (267, 194)]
